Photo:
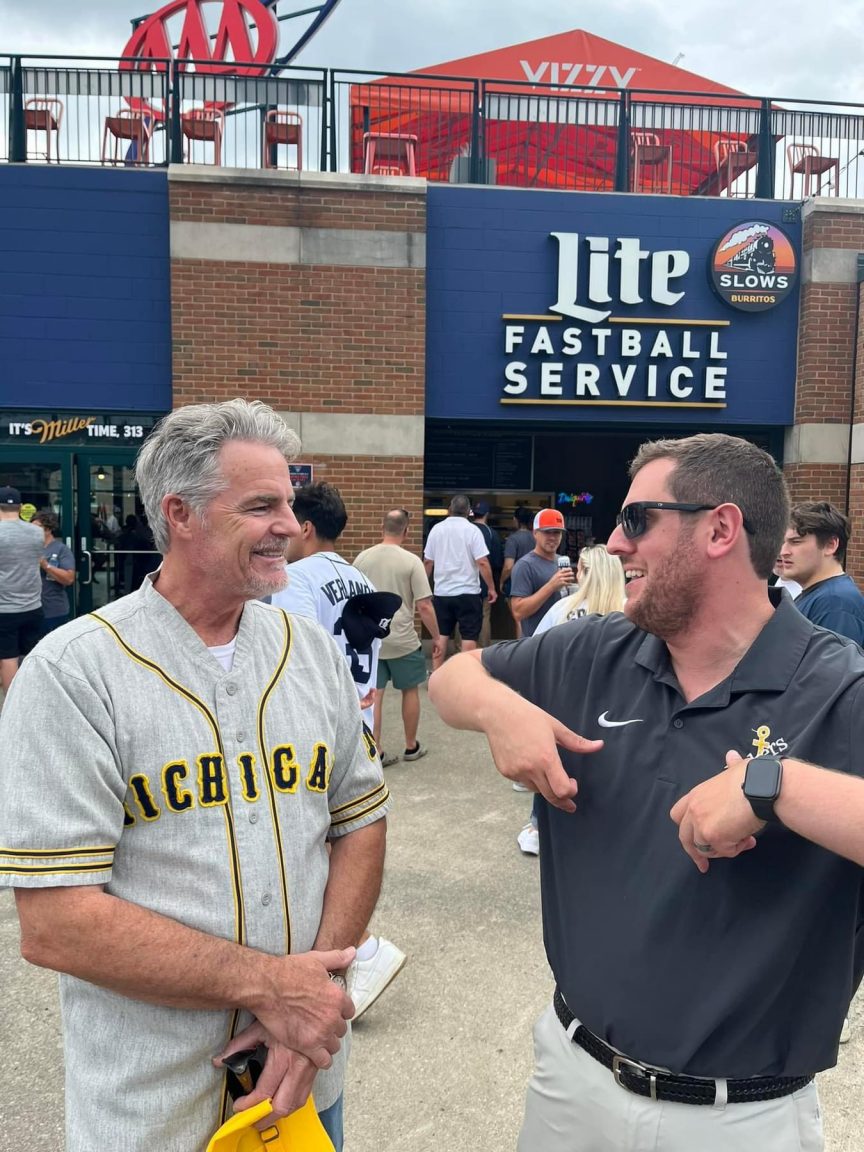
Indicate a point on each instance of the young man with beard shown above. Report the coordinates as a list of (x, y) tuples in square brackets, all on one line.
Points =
[(692, 1007)]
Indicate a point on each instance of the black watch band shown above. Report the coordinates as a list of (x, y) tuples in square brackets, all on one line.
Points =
[(762, 781)]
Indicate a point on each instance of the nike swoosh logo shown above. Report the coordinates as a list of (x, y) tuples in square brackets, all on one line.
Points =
[(604, 723)]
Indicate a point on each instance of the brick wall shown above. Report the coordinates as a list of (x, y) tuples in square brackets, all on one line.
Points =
[(825, 368), (371, 486), (308, 338)]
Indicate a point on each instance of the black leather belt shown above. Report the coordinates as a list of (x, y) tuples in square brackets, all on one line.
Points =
[(643, 1080)]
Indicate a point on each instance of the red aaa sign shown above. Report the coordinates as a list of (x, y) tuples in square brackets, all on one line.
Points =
[(151, 40)]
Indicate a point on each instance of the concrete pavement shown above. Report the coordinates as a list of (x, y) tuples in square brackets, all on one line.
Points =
[(441, 1060)]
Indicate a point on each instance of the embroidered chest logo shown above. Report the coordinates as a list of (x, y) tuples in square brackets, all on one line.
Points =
[(184, 788), (763, 743)]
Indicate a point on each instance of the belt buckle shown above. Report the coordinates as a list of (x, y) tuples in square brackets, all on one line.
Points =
[(640, 1069)]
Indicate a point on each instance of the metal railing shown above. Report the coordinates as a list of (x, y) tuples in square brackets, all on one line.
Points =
[(444, 128)]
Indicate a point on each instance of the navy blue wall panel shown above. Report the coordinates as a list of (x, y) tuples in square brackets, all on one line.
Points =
[(85, 302), (491, 256)]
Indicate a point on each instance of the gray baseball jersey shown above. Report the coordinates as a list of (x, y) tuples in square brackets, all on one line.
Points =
[(204, 795)]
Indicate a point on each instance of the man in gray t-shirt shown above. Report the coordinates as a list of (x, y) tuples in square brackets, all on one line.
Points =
[(20, 585), (57, 565), (537, 581)]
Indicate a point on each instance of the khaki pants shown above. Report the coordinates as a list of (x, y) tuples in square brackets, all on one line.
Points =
[(574, 1105)]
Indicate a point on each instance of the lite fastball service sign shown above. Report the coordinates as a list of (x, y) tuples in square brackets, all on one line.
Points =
[(610, 308)]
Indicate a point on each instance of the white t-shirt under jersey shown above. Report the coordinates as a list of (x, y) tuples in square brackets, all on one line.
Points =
[(318, 587)]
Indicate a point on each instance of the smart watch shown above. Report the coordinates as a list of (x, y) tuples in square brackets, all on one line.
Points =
[(761, 786)]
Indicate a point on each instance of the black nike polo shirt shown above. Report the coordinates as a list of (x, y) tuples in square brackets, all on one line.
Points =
[(745, 971)]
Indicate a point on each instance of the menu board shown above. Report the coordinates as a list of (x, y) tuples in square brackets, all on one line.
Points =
[(466, 462)]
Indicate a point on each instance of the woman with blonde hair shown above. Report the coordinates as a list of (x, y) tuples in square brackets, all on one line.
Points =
[(600, 579)]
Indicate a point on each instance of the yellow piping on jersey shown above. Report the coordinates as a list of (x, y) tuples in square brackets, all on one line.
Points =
[(239, 911), (360, 799), (359, 815), (51, 870), (58, 853), (265, 761), (138, 658)]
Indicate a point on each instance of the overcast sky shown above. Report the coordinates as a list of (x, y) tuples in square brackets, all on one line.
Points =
[(792, 48)]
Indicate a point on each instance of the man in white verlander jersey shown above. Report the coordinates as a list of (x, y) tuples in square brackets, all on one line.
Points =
[(201, 850), (320, 583)]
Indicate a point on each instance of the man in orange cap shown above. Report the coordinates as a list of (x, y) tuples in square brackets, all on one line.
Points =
[(537, 580)]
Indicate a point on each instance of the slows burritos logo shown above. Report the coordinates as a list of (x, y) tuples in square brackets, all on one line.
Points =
[(753, 266)]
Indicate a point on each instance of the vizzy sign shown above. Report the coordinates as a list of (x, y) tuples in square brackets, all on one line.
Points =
[(561, 74)]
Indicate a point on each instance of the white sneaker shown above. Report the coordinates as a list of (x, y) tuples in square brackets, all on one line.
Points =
[(367, 979), (846, 1032), (517, 787), (417, 753), (529, 840)]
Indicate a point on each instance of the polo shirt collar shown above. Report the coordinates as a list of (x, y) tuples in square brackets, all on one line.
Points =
[(768, 665)]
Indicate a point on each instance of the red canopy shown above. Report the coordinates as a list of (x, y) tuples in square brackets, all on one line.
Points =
[(559, 127)]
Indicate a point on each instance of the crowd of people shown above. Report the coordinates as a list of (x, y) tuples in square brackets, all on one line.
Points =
[(687, 728)]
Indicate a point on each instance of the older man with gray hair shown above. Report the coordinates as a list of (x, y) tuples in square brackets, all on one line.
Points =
[(202, 848)]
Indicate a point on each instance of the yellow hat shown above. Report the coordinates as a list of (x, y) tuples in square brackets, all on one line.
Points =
[(302, 1131), (28, 511)]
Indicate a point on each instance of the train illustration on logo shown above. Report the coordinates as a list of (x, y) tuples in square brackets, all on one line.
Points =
[(758, 256), (754, 266)]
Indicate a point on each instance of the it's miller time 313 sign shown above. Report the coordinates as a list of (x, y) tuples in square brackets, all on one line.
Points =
[(582, 353)]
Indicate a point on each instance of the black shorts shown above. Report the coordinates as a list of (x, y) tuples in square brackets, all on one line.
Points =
[(19, 632), (465, 610)]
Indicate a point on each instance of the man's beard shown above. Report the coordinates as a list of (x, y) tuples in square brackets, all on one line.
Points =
[(669, 605), (258, 586)]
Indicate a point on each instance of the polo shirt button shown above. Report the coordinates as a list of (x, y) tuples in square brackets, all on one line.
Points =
[(241, 736), (266, 898), (253, 817), (678, 723), (231, 688)]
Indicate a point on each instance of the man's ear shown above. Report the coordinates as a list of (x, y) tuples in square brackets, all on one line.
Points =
[(178, 514), (727, 526), (832, 547)]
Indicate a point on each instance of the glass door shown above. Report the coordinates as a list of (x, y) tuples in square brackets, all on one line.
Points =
[(44, 479), (113, 541)]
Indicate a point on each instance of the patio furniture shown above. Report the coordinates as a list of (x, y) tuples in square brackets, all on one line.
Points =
[(806, 160), (127, 125), (389, 154), (205, 124), (732, 159), (282, 129), (45, 114), (651, 158)]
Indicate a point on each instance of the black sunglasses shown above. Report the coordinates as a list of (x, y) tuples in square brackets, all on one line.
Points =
[(634, 522)]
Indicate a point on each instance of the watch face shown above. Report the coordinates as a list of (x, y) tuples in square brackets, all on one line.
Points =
[(763, 777)]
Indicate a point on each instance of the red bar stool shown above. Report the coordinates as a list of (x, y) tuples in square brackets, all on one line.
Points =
[(131, 125), (389, 154), (282, 128), (651, 157), (807, 161), (44, 114), (207, 124)]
